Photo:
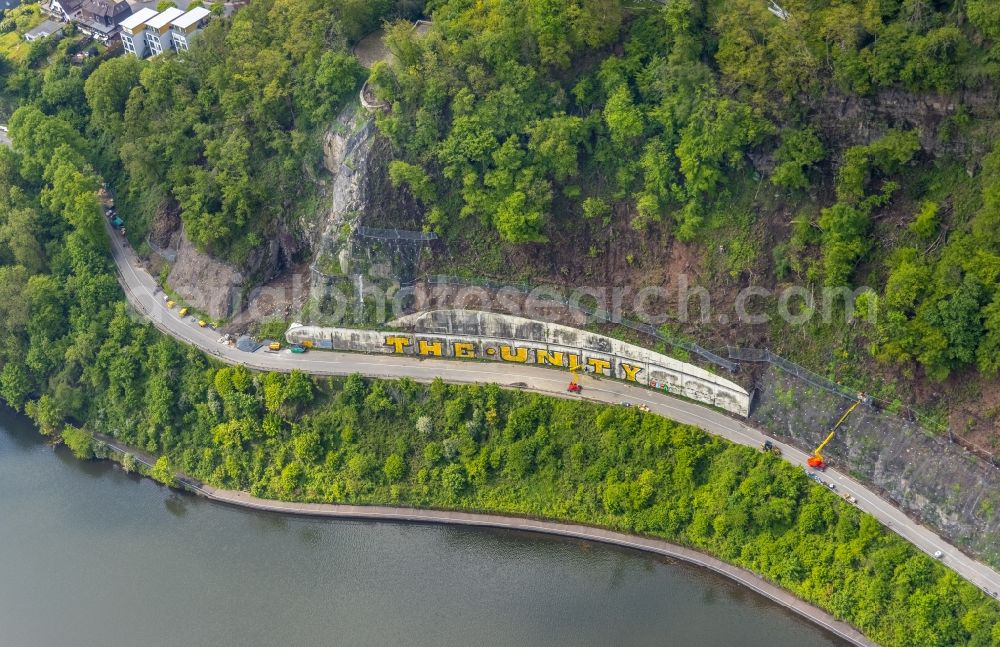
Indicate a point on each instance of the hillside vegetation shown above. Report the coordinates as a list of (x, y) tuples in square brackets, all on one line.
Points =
[(520, 122), (527, 117), (73, 358)]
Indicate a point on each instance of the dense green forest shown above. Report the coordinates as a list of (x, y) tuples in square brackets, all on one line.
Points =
[(524, 118), (516, 119), (224, 134), (73, 357)]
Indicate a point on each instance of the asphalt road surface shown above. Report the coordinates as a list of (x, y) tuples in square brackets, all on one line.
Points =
[(144, 295)]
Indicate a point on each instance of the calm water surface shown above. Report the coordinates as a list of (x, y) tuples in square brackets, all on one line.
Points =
[(92, 556)]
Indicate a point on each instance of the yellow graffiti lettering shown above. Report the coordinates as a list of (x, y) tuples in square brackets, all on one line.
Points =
[(599, 365), (397, 343), (554, 358), (574, 362), (630, 371), (425, 347), (520, 355), (464, 350)]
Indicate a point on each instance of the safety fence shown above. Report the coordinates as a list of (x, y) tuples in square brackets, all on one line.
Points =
[(552, 295), (395, 234), (734, 356), (763, 355), (729, 358)]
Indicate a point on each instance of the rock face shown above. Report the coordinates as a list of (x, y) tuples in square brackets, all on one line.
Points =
[(346, 151), (853, 120), (928, 477), (206, 283)]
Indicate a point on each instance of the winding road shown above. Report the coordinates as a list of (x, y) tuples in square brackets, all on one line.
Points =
[(145, 296)]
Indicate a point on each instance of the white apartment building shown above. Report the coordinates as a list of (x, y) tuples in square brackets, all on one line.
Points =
[(158, 30), (186, 26), (133, 32)]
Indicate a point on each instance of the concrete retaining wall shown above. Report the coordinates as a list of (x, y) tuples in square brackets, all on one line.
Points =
[(476, 335)]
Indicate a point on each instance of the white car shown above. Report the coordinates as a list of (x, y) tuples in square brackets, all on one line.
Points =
[(938, 554)]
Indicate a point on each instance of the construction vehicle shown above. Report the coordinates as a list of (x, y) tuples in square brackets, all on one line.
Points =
[(274, 345), (816, 460), (574, 383), (769, 447), (183, 312)]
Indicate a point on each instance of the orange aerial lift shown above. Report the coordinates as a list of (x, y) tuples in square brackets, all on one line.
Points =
[(816, 460), (574, 385)]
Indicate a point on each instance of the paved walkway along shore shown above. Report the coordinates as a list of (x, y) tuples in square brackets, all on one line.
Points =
[(143, 294), (575, 531)]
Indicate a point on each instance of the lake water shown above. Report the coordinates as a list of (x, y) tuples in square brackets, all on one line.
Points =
[(92, 556)]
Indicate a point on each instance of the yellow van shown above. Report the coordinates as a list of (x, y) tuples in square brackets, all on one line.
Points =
[(275, 346), (183, 312)]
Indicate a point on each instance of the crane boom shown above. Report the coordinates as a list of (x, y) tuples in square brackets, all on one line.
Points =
[(816, 460), (823, 444)]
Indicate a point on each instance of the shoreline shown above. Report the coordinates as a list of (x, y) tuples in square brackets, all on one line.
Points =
[(399, 514)]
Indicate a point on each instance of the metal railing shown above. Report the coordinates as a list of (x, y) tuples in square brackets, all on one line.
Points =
[(549, 295)]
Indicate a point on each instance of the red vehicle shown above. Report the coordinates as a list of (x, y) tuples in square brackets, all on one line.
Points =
[(574, 387)]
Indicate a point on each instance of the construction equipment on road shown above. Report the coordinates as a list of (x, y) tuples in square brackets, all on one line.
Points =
[(574, 384), (770, 448), (816, 460)]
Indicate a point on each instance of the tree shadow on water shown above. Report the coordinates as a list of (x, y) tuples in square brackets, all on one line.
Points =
[(176, 505)]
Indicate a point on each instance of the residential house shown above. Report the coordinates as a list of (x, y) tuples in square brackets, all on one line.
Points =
[(158, 35), (186, 26), (133, 32), (45, 29), (65, 10), (101, 18)]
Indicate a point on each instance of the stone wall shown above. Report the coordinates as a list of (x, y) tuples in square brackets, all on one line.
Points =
[(503, 338)]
